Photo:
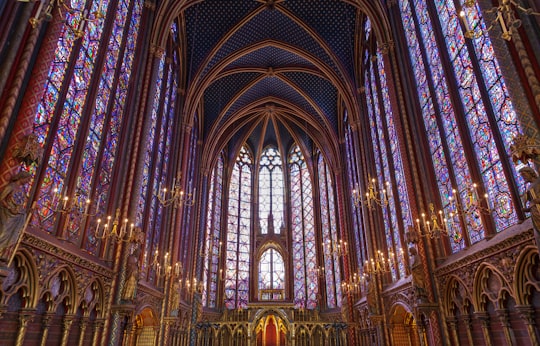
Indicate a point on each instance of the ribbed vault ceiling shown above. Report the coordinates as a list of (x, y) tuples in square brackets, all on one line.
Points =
[(269, 71)]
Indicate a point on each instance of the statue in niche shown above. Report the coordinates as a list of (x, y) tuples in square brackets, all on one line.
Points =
[(175, 297), (531, 199), (132, 276), (13, 216), (371, 297), (418, 277)]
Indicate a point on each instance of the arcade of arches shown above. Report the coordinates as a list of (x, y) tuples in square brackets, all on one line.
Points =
[(269, 172)]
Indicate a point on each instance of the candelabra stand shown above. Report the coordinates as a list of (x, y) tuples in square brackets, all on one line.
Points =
[(62, 6), (175, 196), (169, 273), (505, 16), (373, 195)]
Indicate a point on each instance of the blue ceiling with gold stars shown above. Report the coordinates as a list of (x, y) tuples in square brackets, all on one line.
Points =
[(244, 55)]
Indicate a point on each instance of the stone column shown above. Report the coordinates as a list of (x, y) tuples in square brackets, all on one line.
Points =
[(507, 328), (483, 317), (66, 326), (129, 333), (421, 327), (46, 323), (468, 323), (527, 313), (82, 327), (452, 323), (25, 316), (96, 331)]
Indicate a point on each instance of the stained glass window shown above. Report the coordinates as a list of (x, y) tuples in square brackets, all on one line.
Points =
[(72, 118), (213, 244), (270, 191), (463, 125), (238, 232), (152, 240), (271, 275), (359, 245), (383, 168), (329, 229), (395, 165), (304, 246), (157, 173)]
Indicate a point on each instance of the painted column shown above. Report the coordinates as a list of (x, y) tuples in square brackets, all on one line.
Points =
[(97, 327), (66, 327), (82, 323), (46, 323), (25, 316)]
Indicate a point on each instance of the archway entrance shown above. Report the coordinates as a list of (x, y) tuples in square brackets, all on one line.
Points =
[(146, 328), (271, 331), (403, 328)]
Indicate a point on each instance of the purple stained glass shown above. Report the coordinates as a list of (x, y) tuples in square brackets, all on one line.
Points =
[(152, 240), (329, 233), (476, 113), (238, 233), (213, 236), (303, 232), (382, 164), (399, 174)]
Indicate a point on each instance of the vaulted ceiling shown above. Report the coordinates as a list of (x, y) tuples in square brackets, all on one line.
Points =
[(269, 71)]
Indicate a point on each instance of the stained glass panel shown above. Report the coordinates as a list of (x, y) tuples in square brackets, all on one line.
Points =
[(303, 232)]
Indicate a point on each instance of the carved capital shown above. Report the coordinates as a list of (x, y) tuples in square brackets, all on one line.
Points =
[(452, 322), (483, 317), (157, 51), (527, 312), (386, 47), (150, 5), (67, 321), (25, 316), (468, 321), (503, 318), (524, 148), (46, 320)]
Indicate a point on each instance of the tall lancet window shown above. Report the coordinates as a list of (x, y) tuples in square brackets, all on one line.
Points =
[(270, 191), (213, 246), (238, 232), (388, 164), (157, 173), (80, 113), (359, 236), (304, 246), (329, 234), (467, 114), (271, 275)]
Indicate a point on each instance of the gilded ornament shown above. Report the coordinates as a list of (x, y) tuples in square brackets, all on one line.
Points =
[(524, 149), (28, 151)]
